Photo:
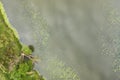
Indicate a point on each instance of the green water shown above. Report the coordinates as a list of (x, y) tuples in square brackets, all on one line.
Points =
[(73, 38)]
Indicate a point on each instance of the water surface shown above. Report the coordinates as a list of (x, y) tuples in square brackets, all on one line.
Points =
[(73, 38)]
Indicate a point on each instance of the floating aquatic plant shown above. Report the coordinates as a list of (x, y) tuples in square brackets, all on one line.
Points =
[(112, 48), (59, 71)]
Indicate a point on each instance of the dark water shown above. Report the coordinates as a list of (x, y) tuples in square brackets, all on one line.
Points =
[(73, 38)]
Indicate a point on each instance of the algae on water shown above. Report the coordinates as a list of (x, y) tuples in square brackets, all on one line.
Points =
[(16, 61)]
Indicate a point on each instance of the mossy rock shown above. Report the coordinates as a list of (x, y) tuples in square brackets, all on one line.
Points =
[(12, 63)]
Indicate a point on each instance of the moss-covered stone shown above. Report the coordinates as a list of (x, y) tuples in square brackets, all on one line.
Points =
[(13, 54)]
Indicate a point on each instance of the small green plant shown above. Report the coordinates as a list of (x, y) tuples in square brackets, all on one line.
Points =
[(26, 50), (24, 71)]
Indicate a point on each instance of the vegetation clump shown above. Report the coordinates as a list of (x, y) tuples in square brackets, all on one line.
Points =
[(16, 60)]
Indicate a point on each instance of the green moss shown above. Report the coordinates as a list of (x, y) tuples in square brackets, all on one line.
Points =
[(15, 58)]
